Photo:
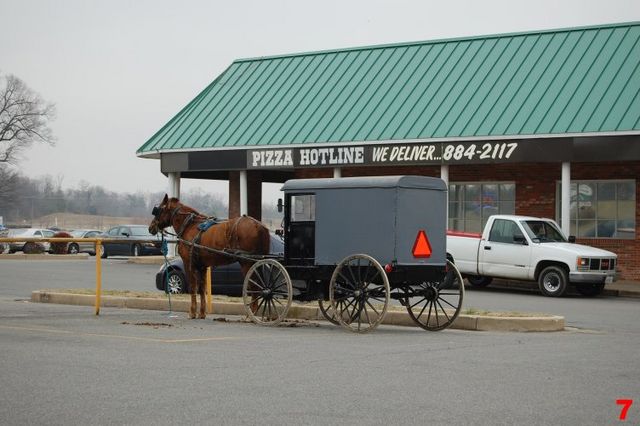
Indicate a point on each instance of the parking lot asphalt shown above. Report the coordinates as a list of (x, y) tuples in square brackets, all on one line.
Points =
[(469, 321), (63, 365)]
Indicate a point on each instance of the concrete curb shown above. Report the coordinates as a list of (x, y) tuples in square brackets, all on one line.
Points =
[(22, 256), (620, 293), (303, 312)]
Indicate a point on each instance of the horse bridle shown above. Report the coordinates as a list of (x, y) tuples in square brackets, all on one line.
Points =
[(157, 211)]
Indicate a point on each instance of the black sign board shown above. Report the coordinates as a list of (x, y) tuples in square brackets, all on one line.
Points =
[(412, 154), (407, 153)]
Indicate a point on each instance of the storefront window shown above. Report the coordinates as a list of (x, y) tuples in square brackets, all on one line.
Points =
[(471, 204), (601, 209)]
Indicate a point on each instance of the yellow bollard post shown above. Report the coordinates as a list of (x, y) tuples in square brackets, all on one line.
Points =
[(98, 275), (209, 301)]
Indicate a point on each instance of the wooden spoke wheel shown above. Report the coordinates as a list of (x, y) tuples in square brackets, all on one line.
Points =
[(359, 293), (267, 292), (327, 311), (434, 306)]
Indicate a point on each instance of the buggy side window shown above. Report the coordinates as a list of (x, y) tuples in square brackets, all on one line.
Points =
[(303, 208)]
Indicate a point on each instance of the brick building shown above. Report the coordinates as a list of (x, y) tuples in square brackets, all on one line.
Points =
[(541, 123)]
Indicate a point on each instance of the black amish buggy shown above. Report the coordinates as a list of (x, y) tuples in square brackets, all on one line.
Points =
[(353, 244)]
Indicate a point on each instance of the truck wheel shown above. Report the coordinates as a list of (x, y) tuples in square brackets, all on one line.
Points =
[(590, 290), (479, 281), (553, 281)]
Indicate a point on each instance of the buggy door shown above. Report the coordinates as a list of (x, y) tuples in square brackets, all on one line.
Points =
[(300, 220)]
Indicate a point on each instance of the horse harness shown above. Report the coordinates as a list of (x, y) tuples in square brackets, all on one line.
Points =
[(231, 236)]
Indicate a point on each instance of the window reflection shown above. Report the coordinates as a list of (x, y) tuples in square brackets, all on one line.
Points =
[(471, 204), (601, 209)]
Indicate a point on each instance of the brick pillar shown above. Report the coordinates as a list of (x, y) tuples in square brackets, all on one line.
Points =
[(254, 189)]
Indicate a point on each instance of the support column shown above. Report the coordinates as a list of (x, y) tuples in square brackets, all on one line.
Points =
[(565, 198), (173, 190), (244, 198), (252, 190), (444, 175), (174, 184), (337, 172)]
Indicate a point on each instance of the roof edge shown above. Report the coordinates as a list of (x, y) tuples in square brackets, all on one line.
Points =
[(436, 41), (156, 152)]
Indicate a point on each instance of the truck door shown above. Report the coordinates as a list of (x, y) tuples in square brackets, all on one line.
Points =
[(505, 253)]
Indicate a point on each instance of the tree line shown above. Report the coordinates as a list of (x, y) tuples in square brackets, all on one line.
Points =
[(25, 120), (23, 199)]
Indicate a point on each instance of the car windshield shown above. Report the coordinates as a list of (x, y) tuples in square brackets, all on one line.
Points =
[(541, 231), (18, 231), (79, 233), (140, 231)]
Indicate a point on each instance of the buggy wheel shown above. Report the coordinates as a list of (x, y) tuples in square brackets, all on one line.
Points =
[(267, 292), (359, 293), (327, 312), (434, 306)]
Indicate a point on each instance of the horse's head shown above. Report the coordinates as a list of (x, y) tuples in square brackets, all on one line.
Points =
[(162, 214)]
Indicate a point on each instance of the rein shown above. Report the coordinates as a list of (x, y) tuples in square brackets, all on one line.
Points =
[(238, 254)]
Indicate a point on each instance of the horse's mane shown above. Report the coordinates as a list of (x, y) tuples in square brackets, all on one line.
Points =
[(186, 207)]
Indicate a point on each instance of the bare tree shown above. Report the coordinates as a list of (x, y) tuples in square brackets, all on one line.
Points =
[(8, 180), (24, 119)]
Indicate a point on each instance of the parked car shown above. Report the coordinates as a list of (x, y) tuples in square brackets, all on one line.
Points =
[(531, 249), (128, 243), (81, 247), (225, 279), (29, 233), (4, 232)]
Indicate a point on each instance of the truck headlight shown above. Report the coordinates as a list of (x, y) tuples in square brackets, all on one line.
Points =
[(583, 263)]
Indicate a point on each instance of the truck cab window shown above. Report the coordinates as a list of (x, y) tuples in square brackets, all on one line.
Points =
[(542, 231), (505, 231)]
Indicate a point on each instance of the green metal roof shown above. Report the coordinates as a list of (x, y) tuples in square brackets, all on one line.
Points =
[(570, 81)]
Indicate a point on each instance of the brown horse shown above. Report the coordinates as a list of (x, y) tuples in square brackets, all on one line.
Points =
[(244, 234)]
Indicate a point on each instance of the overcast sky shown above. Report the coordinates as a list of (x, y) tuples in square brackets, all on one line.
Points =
[(119, 70)]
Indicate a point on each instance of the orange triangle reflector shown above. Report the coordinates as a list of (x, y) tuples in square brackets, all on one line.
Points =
[(422, 247)]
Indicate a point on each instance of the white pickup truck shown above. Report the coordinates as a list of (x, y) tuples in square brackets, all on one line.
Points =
[(530, 249)]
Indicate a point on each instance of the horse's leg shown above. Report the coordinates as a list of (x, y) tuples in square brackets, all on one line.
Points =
[(203, 303)]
